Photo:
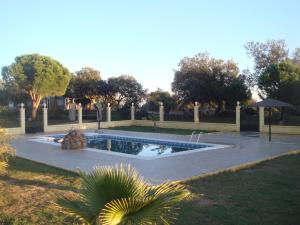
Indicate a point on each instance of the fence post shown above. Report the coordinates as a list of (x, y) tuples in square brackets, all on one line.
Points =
[(80, 115), (22, 118), (108, 113), (261, 119), (132, 111), (238, 116), (196, 112), (45, 117), (161, 112)]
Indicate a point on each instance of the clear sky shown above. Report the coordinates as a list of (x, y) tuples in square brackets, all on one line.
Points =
[(145, 39)]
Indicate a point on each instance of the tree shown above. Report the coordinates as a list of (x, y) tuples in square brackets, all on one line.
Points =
[(119, 195), (157, 96), (281, 81), (3, 94), (89, 74), (126, 90), (11, 91), (38, 76), (204, 79), (265, 54), (237, 90), (84, 85), (296, 56)]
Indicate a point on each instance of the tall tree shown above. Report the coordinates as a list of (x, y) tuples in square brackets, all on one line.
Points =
[(38, 76), (126, 90), (88, 73), (206, 79), (296, 56), (159, 95), (83, 85), (265, 54), (281, 81)]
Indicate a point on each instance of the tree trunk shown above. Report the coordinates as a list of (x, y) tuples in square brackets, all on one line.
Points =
[(36, 99)]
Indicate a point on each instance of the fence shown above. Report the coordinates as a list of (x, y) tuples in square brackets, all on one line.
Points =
[(130, 118), (9, 117), (13, 120)]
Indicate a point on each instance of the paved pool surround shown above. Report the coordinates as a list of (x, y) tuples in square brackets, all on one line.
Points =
[(244, 149)]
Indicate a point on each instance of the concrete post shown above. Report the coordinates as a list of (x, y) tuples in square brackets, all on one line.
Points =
[(45, 117), (132, 112), (80, 115), (238, 116), (161, 112), (196, 112), (108, 113), (261, 119), (22, 118)]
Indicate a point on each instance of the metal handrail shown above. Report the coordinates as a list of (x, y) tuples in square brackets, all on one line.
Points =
[(199, 136), (192, 135)]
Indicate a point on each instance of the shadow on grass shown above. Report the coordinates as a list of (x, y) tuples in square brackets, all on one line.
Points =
[(19, 164), (36, 183)]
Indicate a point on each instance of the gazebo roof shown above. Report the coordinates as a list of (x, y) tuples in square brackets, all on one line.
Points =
[(269, 102)]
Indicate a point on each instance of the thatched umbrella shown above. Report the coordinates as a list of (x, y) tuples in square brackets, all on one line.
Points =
[(269, 103)]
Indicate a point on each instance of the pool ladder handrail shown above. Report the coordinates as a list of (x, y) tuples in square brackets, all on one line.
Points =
[(198, 137), (192, 135)]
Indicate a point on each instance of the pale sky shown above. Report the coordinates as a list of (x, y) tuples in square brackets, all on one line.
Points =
[(146, 39)]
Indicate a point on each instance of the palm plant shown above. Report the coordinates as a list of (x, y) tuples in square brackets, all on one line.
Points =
[(119, 196), (5, 150)]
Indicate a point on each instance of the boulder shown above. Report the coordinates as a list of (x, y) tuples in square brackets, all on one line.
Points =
[(75, 139)]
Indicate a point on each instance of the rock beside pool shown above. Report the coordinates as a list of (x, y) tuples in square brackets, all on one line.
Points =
[(75, 139)]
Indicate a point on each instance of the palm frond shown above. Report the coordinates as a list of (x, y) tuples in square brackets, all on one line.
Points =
[(75, 208), (119, 195), (105, 184), (160, 207)]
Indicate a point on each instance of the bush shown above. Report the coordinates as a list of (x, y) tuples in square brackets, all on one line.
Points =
[(6, 151)]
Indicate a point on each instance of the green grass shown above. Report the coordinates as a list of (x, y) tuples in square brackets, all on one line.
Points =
[(158, 130), (266, 194)]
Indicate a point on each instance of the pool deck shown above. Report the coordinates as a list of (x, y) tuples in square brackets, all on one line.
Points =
[(244, 149)]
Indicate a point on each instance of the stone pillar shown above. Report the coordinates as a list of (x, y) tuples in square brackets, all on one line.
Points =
[(196, 112), (161, 112), (238, 116), (80, 115), (45, 117), (108, 113), (132, 112), (22, 118), (261, 119)]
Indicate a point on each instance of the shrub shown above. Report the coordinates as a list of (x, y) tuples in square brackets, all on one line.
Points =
[(6, 151)]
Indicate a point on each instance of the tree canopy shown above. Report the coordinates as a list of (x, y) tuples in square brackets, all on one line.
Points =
[(265, 54), (281, 81), (126, 90), (84, 85), (204, 79), (38, 76), (159, 95)]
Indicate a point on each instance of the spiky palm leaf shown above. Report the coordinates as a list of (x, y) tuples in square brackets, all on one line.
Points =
[(119, 195)]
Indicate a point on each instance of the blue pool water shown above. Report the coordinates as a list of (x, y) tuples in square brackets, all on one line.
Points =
[(137, 146)]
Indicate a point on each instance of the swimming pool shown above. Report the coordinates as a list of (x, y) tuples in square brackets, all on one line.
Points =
[(145, 148)]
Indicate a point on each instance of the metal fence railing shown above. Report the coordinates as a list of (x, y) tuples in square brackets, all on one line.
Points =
[(9, 117), (285, 117), (184, 116), (120, 114)]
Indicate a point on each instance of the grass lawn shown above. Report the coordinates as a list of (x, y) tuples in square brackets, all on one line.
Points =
[(267, 194), (157, 130)]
